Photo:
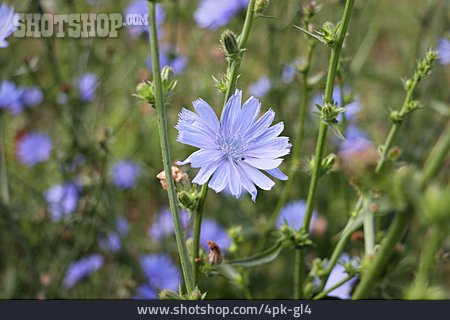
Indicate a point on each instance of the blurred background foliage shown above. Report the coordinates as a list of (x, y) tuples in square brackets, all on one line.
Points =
[(386, 39)]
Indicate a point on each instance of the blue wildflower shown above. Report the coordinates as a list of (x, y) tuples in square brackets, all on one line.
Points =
[(112, 240), (355, 141), (293, 214), (290, 70), (87, 85), (10, 95), (81, 269), (34, 148), (62, 200), (125, 174), (32, 97), (8, 23), (170, 57), (234, 150), (211, 230), (161, 272), (443, 49), (122, 226), (212, 14), (260, 88), (140, 7), (338, 274), (163, 224), (145, 292)]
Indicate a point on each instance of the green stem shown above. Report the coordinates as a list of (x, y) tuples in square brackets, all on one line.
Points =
[(323, 129), (164, 139), (299, 274), (3, 167), (427, 259), (198, 217), (337, 285), (396, 231), (236, 64)]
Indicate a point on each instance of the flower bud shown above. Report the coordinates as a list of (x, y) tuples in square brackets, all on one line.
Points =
[(168, 295), (145, 92), (177, 175), (230, 44), (215, 253)]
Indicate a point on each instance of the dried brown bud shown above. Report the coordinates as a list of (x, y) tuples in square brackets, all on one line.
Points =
[(177, 175), (215, 254), (357, 236)]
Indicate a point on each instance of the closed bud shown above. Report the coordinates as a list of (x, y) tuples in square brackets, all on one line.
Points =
[(188, 200), (262, 5), (168, 295), (145, 92), (230, 44)]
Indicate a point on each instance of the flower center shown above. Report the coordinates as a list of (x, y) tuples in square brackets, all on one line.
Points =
[(233, 147)]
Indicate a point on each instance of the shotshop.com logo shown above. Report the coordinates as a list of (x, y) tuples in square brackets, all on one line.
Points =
[(74, 25)]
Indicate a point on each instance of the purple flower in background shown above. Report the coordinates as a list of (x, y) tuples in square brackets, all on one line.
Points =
[(145, 292), (355, 141), (163, 224), (260, 88), (32, 97), (62, 200), (212, 14), (10, 95), (81, 269), (122, 226), (161, 272), (110, 242), (34, 148), (234, 150), (289, 71), (443, 49), (87, 85), (293, 214), (338, 274), (170, 57), (125, 174), (62, 98), (211, 230), (8, 22), (139, 9)]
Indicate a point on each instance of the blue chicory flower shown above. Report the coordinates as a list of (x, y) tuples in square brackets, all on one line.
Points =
[(112, 240), (338, 274), (211, 230), (443, 49), (163, 224), (212, 14), (34, 148), (81, 269), (10, 95), (8, 23), (161, 272), (140, 7), (260, 88), (122, 226), (234, 150), (293, 214), (87, 85), (62, 200), (145, 292), (355, 141), (170, 57), (125, 174), (32, 97)]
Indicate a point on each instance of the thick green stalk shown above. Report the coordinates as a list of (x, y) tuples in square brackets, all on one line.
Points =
[(198, 217), (323, 129), (165, 150), (396, 231), (236, 64)]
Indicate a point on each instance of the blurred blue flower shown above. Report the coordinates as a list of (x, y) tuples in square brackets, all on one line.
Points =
[(161, 272), (62, 200), (32, 97), (140, 7), (163, 224), (122, 226), (212, 14), (112, 240), (211, 230), (81, 269), (34, 148), (145, 292), (443, 49), (351, 109), (87, 84), (355, 141), (260, 88), (170, 57), (10, 95), (125, 174), (293, 214), (234, 150), (8, 22), (62, 98), (289, 71), (338, 274)]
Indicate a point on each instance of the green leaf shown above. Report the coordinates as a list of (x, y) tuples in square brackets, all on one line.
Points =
[(260, 258), (312, 35)]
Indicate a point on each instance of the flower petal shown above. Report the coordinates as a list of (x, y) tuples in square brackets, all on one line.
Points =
[(247, 183), (202, 157), (234, 180), (257, 176), (264, 164), (230, 113), (207, 114), (220, 178), (205, 172), (248, 115), (276, 173)]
